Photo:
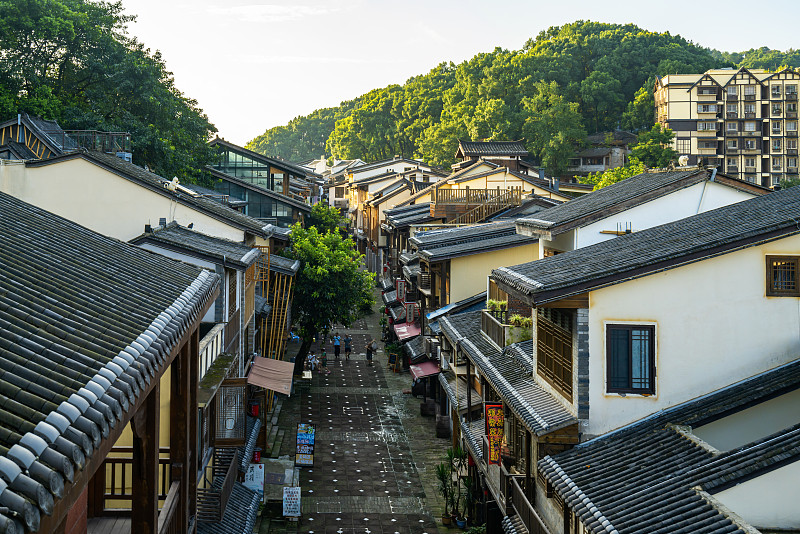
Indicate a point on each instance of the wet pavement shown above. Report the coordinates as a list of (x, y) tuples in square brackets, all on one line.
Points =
[(374, 455)]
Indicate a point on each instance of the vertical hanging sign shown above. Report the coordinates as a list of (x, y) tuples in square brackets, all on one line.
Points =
[(494, 430), (400, 285), (304, 456)]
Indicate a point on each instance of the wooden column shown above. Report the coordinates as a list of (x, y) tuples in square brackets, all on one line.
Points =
[(144, 505), (179, 436), (469, 392), (194, 425), (528, 460)]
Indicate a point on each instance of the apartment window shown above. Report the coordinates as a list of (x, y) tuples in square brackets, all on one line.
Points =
[(731, 108), (776, 109), (706, 126), (791, 126), (777, 163), (750, 126), (776, 127), (776, 145), (732, 144), (791, 144), (751, 178), (732, 162), (791, 163), (776, 90), (750, 90), (750, 144), (338, 192), (732, 90), (749, 110), (782, 272), (776, 179), (706, 108), (684, 145), (732, 126), (707, 144), (791, 90), (750, 162), (630, 352), (791, 107)]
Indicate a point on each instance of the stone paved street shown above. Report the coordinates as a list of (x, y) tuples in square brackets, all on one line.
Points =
[(374, 455)]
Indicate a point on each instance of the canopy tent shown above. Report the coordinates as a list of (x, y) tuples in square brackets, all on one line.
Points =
[(272, 374)]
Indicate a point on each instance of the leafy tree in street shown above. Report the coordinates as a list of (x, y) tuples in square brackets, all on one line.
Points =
[(654, 147), (603, 179), (325, 218), (331, 285)]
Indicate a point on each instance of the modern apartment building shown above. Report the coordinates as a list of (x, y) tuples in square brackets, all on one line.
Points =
[(744, 122)]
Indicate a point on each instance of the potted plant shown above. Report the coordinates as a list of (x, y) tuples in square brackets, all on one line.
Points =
[(445, 479), (458, 462), (492, 305)]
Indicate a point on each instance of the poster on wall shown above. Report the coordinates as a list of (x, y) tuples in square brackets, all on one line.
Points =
[(254, 478), (494, 430), (304, 455)]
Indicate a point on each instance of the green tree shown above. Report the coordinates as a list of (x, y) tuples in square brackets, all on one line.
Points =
[(654, 147), (552, 127), (325, 218), (640, 114), (331, 285), (603, 179)]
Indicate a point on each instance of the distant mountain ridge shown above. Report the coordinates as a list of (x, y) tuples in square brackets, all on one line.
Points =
[(581, 77)]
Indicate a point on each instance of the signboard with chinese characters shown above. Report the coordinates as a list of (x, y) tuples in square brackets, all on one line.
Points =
[(304, 455), (400, 286), (494, 430), (291, 501), (254, 478)]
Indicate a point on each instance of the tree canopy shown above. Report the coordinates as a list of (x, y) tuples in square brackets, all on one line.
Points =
[(603, 179), (331, 286), (581, 77), (654, 147), (72, 61)]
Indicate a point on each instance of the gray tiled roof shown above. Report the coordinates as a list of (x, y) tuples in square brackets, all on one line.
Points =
[(512, 524), (461, 234), (476, 247), (643, 477), (86, 325), (710, 233), (415, 349), (492, 148), (283, 265), (240, 516), (252, 426), (177, 237), (642, 187), (509, 373), (389, 297), (156, 183), (473, 432), (405, 216)]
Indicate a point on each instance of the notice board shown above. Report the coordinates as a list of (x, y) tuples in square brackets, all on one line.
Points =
[(304, 455)]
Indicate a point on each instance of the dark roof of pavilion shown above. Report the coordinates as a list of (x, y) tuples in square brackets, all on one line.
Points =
[(491, 148), (670, 245), (405, 216), (438, 245), (658, 471), (179, 238), (86, 325)]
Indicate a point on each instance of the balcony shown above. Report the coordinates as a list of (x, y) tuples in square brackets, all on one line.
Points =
[(731, 115), (750, 115), (750, 98), (791, 96), (733, 168), (493, 327), (524, 508), (791, 114), (731, 97), (424, 282), (791, 133), (732, 150), (791, 151), (213, 498), (749, 169)]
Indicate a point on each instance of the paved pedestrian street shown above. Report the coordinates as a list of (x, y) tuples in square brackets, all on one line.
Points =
[(373, 451)]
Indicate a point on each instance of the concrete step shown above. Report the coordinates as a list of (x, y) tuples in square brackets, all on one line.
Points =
[(276, 412), (275, 450), (271, 435)]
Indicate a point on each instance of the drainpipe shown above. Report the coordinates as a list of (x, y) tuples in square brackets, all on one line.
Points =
[(19, 127), (705, 185)]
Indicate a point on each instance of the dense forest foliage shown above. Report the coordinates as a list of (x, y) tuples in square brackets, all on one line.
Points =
[(569, 80), (72, 61)]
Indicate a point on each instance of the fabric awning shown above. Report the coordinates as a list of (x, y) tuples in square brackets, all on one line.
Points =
[(423, 369), (406, 331), (269, 373)]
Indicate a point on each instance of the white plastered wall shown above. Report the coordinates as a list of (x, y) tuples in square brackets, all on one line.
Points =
[(714, 326), (468, 273), (103, 201)]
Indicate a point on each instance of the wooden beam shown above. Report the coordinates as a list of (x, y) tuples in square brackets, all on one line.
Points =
[(577, 301), (144, 501)]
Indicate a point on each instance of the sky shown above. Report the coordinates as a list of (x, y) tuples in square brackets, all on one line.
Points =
[(253, 65)]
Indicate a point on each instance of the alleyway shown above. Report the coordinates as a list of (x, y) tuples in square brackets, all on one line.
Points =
[(375, 454)]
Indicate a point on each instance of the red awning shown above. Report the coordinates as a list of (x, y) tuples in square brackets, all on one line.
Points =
[(406, 331), (271, 374), (421, 370)]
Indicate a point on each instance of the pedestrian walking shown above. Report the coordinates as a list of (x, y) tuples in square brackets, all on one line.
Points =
[(324, 363), (337, 345), (372, 346), (348, 346)]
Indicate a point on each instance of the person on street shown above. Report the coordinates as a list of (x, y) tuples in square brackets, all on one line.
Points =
[(337, 345), (372, 346), (348, 346), (312, 361)]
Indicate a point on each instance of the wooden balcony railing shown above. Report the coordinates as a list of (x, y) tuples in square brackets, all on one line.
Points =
[(525, 510), (170, 512), (232, 332), (210, 348), (118, 467), (424, 281), (212, 500), (493, 328)]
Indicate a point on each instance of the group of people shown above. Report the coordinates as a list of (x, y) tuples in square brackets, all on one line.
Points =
[(321, 365)]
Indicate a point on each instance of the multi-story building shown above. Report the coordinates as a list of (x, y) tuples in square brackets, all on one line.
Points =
[(743, 122)]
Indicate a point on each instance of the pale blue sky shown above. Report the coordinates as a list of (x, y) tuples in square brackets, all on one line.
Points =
[(254, 64)]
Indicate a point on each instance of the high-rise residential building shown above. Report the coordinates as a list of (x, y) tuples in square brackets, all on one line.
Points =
[(744, 122)]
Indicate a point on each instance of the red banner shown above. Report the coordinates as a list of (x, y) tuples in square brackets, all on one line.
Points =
[(493, 414)]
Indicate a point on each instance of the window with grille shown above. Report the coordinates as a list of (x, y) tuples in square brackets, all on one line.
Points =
[(232, 296), (630, 354), (782, 276), (554, 351)]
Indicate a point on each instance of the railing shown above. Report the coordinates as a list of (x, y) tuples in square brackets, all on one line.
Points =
[(749, 115), (232, 332), (119, 478), (511, 198), (750, 97), (733, 168), (525, 510), (168, 517), (500, 315), (493, 328), (212, 501), (732, 115), (210, 348), (791, 96), (108, 142), (424, 280), (731, 97)]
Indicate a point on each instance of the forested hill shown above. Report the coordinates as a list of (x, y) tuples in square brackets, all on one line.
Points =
[(569, 80)]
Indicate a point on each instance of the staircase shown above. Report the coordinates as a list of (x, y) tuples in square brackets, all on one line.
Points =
[(492, 206)]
